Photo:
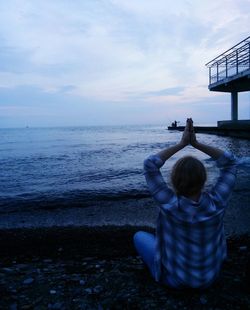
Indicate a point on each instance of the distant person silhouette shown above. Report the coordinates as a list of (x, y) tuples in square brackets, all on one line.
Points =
[(189, 245)]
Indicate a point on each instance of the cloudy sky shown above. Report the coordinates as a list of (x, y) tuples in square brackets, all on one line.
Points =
[(110, 62)]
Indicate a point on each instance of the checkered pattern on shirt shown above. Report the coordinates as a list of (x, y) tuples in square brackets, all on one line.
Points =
[(190, 241)]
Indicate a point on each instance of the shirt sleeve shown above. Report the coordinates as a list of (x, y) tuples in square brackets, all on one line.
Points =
[(156, 184), (226, 181)]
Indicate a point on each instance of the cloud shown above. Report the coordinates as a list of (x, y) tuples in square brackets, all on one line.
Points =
[(117, 51)]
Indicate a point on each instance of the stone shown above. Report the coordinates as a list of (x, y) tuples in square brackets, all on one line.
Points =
[(7, 270), (203, 299), (97, 289), (57, 306), (52, 292), (82, 282), (13, 306), (243, 248), (88, 290), (28, 281)]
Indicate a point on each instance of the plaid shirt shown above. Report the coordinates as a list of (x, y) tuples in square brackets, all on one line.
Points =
[(190, 240)]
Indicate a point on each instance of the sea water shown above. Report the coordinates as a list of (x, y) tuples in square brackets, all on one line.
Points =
[(76, 166)]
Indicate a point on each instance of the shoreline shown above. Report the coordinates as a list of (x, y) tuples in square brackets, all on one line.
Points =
[(126, 212)]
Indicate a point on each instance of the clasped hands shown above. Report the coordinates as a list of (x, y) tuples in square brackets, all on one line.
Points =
[(188, 136)]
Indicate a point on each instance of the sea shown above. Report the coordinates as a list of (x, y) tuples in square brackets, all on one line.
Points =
[(47, 168)]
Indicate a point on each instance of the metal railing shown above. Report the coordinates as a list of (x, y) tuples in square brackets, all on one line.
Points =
[(232, 62)]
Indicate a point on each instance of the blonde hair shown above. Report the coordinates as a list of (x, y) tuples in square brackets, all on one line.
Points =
[(188, 176)]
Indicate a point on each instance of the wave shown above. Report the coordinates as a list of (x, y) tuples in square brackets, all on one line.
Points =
[(30, 201)]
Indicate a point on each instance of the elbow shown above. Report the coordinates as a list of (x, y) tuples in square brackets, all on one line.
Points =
[(148, 164)]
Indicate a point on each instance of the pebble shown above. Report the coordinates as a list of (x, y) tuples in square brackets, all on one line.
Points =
[(56, 306), (13, 291), (52, 292), (13, 307), (203, 299), (7, 270), (21, 266), (28, 281), (97, 289), (88, 290), (243, 248), (82, 282), (47, 260)]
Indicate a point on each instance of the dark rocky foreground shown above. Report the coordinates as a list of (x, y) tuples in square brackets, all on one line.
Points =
[(98, 269)]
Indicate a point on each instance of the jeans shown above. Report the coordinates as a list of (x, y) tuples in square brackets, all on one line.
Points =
[(145, 245)]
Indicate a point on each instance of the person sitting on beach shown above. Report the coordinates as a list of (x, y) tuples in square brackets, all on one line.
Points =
[(189, 245)]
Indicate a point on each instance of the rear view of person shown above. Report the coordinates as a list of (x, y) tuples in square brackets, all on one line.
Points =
[(189, 245)]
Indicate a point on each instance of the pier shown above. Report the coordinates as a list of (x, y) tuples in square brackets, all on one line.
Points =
[(230, 72)]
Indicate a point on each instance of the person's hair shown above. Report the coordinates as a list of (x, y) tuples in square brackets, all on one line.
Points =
[(188, 176)]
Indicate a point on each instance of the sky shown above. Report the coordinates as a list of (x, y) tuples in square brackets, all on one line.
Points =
[(115, 62)]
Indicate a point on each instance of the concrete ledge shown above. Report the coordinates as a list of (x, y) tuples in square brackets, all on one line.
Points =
[(240, 124)]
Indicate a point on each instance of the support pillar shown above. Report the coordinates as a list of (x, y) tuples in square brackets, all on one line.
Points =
[(234, 106)]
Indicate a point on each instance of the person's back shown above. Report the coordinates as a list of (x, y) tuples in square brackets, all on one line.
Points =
[(189, 245)]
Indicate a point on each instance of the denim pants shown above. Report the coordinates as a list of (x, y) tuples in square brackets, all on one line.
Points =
[(145, 245)]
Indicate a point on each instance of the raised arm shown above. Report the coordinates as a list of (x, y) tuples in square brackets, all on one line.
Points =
[(156, 184), (185, 140), (213, 152), (227, 164)]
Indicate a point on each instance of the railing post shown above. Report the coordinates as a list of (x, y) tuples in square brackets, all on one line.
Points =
[(226, 68), (249, 55), (237, 62), (217, 72), (209, 75)]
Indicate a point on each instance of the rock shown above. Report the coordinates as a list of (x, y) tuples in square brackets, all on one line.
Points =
[(7, 270), (82, 282), (243, 248), (88, 290), (13, 306), (26, 307), (21, 266), (56, 306), (28, 281), (97, 289), (13, 291), (52, 292), (203, 299), (47, 260)]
